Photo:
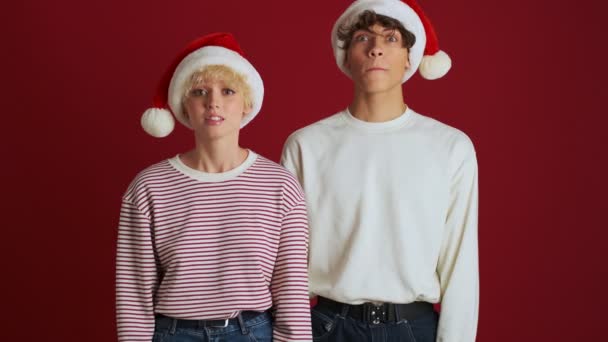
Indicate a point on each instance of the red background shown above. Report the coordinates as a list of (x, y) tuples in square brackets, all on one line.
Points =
[(525, 86)]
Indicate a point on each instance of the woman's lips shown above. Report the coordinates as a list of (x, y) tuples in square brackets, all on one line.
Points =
[(214, 120)]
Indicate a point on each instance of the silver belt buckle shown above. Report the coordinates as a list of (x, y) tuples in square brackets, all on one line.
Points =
[(378, 313), (221, 326)]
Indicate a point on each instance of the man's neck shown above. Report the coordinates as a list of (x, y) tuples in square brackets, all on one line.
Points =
[(378, 107)]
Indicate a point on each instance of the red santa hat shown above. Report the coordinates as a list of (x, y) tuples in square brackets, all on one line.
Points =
[(425, 55), (212, 49)]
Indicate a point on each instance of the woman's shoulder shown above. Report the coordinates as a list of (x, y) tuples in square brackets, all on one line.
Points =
[(272, 169), (150, 175)]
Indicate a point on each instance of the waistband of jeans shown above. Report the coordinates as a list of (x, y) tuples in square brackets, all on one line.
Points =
[(246, 318), (377, 313)]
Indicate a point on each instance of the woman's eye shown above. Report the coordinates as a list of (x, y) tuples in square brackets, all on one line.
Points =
[(198, 92), (229, 91)]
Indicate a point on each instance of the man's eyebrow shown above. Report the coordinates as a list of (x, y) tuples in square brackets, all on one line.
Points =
[(384, 30), (364, 29), (391, 30)]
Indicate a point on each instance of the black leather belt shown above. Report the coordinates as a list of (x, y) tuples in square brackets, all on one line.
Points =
[(378, 313), (163, 321)]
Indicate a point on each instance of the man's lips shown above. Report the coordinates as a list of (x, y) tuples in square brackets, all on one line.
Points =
[(375, 69)]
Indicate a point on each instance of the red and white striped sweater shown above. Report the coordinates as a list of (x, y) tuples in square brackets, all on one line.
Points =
[(196, 245)]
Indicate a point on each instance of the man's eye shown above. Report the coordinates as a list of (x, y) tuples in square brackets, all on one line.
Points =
[(229, 91), (198, 92), (361, 38), (393, 39)]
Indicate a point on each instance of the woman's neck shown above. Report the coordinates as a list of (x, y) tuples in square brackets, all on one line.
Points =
[(215, 156)]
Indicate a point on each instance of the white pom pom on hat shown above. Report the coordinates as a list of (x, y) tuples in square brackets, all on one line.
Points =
[(425, 55), (158, 122), (212, 49), (435, 66)]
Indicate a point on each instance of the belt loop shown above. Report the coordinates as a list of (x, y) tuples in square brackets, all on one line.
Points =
[(397, 314), (244, 329), (173, 326), (345, 308)]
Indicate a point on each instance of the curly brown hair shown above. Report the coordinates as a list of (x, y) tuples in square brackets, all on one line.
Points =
[(367, 19)]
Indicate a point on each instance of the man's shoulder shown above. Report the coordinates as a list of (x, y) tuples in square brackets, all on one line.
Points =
[(317, 128), (442, 132)]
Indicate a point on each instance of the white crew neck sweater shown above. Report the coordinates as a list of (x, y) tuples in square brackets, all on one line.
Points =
[(392, 210)]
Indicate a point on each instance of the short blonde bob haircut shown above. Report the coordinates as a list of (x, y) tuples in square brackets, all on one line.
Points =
[(231, 79)]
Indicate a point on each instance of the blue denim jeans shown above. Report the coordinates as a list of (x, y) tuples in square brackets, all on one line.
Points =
[(256, 329), (338, 327)]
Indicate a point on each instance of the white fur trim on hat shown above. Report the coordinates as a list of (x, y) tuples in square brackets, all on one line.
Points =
[(157, 122), (213, 55), (392, 8)]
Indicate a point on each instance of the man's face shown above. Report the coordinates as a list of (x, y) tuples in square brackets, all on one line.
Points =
[(377, 59)]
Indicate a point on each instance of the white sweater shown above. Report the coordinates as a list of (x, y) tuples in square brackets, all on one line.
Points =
[(392, 213)]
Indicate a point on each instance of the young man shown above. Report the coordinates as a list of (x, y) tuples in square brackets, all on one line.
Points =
[(392, 194), (213, 238)]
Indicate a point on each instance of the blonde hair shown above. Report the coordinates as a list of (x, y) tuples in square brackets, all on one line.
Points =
[(229, 76)]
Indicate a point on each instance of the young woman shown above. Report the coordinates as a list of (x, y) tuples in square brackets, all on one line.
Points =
[(212, 243)]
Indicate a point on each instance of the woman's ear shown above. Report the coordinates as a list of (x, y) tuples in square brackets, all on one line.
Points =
[(247, 110)]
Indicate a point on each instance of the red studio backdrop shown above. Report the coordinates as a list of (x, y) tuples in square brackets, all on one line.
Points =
[(525, 86)]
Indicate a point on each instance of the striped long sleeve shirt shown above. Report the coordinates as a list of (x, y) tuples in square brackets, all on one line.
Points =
[(195, 245)]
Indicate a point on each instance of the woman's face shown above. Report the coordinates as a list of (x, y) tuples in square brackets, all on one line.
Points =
[(214, 109)]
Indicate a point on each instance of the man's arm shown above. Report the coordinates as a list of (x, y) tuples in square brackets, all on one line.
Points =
[(458, 266), (291, 158)]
